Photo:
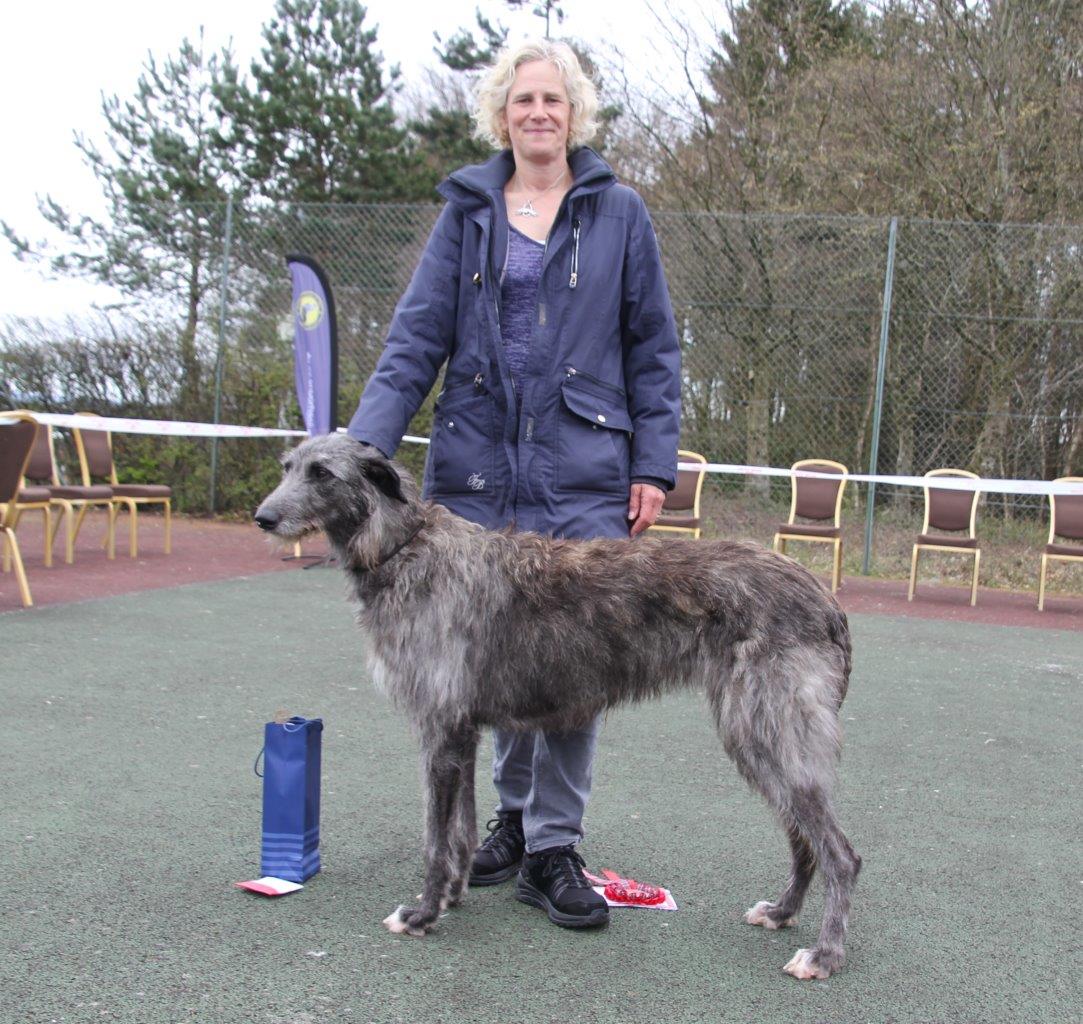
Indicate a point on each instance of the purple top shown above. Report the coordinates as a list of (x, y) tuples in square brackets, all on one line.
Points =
[(519, 301)]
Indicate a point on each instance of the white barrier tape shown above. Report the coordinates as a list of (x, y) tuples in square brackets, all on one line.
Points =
[(169, 428), (947, 483), (172, 428), (175, 428)]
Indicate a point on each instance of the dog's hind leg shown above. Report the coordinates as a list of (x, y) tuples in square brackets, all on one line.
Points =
[(784, 739), (782, 913), (442, 769), (815, 840), (839, 864), (464, 825)]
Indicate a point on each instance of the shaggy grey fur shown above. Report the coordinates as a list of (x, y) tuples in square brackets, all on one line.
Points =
[(471, 628)]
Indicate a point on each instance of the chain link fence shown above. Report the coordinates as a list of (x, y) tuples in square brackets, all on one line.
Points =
[(783, 323), (781, 319)]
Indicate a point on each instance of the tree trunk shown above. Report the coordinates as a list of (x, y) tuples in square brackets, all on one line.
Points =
[(191, 370)]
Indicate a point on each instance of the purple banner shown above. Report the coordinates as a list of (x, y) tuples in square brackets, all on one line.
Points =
[(315, 344)]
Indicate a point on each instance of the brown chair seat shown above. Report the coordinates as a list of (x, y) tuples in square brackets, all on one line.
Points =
[(1067, 550), (687, 522), (31, 495), (808, 530), (966, 543), (141, 491), (95, 492)]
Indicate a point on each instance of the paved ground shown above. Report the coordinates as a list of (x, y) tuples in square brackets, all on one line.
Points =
[(133, 721)]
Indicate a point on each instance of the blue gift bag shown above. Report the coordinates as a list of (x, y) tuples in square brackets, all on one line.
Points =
[(291, 799)]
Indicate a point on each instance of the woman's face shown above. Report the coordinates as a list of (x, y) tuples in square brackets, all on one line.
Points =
[(537, 112)]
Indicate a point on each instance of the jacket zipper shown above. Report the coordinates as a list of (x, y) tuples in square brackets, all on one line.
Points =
[(478, 381), (573, 280), (571, 371)]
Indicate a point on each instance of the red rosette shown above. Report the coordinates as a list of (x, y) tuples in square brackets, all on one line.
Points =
[(628, 890)]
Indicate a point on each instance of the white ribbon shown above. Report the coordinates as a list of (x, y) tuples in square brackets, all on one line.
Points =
[(947, 483), (175, 428)]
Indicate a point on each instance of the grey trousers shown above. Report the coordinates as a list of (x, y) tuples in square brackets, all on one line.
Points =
[(546, 775)]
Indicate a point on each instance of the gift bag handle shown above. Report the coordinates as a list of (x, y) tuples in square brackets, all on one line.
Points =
[(292, 725)]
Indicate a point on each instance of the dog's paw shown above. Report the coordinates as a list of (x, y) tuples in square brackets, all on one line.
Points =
[(760, 915), (807, 966), (403, 921)]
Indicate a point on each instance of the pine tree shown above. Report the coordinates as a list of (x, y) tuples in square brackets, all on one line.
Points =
[(164, 175), (444, 137), (315, 123)]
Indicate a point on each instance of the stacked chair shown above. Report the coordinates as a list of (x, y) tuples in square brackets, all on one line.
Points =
[(41, 470), (95, 449)]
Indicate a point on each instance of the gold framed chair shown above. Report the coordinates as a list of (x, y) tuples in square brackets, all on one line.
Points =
[(951, 511), (1065, 522), (95, 448), (16, 439), (41, 470), (680, 512), (820, 500)]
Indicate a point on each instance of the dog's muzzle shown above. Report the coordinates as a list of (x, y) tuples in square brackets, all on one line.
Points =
[(266, 520)]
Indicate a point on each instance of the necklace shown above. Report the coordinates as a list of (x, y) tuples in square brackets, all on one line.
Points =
[(527, 209)]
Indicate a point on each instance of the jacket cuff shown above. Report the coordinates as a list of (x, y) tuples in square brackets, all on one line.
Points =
[(650, 472), (654, 481), (384, 446)]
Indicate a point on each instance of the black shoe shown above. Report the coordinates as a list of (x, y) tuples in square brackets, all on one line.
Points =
[(553, 881), (499, 857)]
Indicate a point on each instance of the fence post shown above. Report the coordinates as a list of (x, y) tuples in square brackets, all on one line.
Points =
[(221, 346), (878, 407)]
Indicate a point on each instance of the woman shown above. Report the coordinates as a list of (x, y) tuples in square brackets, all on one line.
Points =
[(542, 289)]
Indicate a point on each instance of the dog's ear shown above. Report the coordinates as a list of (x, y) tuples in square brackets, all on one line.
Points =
[(383, 475)]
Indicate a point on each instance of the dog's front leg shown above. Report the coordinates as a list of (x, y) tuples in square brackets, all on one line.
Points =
[(464, 822), (441, 769)]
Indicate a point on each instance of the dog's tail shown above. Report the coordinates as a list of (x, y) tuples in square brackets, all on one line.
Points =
[(839, 629)]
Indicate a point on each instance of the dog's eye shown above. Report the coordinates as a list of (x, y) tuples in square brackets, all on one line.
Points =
[(318, 472)]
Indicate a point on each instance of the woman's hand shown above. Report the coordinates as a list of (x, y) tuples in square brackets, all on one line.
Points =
[(644, 504)]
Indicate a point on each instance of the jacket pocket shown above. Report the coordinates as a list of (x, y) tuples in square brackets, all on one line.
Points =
[(593, 437), (462, 455)]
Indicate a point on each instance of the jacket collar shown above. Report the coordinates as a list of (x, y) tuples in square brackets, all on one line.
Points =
[(473, 186)]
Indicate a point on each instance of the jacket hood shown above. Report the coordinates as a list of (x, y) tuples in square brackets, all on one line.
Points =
[(471, 186)]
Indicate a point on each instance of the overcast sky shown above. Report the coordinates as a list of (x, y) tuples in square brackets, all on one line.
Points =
[(57, 58)]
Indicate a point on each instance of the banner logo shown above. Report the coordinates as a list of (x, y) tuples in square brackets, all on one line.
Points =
[(309, 310)]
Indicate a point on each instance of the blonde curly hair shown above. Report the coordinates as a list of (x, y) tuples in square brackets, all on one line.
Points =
[(493, 87)]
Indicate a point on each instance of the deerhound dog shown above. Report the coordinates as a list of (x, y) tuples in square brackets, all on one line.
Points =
[(469, 628)]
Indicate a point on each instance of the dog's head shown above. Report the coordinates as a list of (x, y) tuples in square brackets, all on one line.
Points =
[(336, 485)]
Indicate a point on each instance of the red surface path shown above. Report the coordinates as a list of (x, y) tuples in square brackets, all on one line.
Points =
[(205, 550)]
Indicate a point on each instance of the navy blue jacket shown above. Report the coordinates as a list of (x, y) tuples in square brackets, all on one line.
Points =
[(601, 390)]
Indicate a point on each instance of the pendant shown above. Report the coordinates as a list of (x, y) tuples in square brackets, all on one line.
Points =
[(527, 209)]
